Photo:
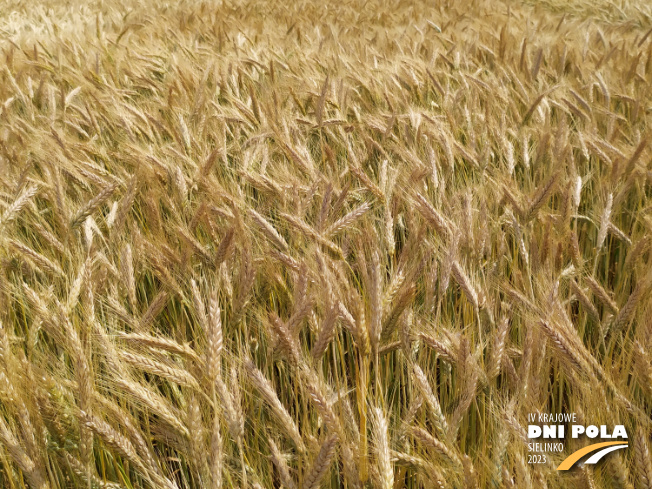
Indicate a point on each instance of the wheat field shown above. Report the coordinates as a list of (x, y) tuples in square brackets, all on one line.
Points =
[(322, 244)]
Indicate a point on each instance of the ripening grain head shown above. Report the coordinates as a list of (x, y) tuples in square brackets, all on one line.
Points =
[(321, 244)]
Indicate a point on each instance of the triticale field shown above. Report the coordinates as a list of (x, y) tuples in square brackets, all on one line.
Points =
[(324, 244)]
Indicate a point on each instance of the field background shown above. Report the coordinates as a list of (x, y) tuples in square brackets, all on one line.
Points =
[(322, 244)]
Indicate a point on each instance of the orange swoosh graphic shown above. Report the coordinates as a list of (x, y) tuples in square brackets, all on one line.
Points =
[(575, 456)]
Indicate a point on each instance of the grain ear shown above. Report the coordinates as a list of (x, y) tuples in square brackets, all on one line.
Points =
[(322, 244)]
